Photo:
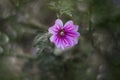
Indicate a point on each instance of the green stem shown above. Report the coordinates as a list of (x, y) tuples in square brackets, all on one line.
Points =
[(89, 19), (18, 55), (90, 25)]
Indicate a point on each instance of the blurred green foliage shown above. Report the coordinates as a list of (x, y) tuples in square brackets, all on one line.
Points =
[(27, 54)]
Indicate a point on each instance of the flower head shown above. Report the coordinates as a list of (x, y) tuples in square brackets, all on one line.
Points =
[(64, 36)]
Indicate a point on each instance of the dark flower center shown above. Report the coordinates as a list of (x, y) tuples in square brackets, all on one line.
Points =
[(61, 32)]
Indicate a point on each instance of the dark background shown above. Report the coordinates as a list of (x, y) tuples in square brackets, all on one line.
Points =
[(27, 54)]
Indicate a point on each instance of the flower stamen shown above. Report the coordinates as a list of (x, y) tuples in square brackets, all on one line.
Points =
[(61, 33)]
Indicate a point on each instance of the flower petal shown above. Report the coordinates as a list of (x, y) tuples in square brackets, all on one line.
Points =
[(73, 41), (59, 23), (73, 34), (51, 30), (59, 43), (69, 41), (69, 26), (52, 38), (65, 42), (56, 27), (76, 28)]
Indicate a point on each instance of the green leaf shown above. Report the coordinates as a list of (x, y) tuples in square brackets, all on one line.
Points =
[(62, 7), (3, 39)]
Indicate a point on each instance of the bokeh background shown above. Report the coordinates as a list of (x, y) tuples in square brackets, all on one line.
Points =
[(27, 54)]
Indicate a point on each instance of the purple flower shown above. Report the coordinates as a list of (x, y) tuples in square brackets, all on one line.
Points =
[(64, 36)]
